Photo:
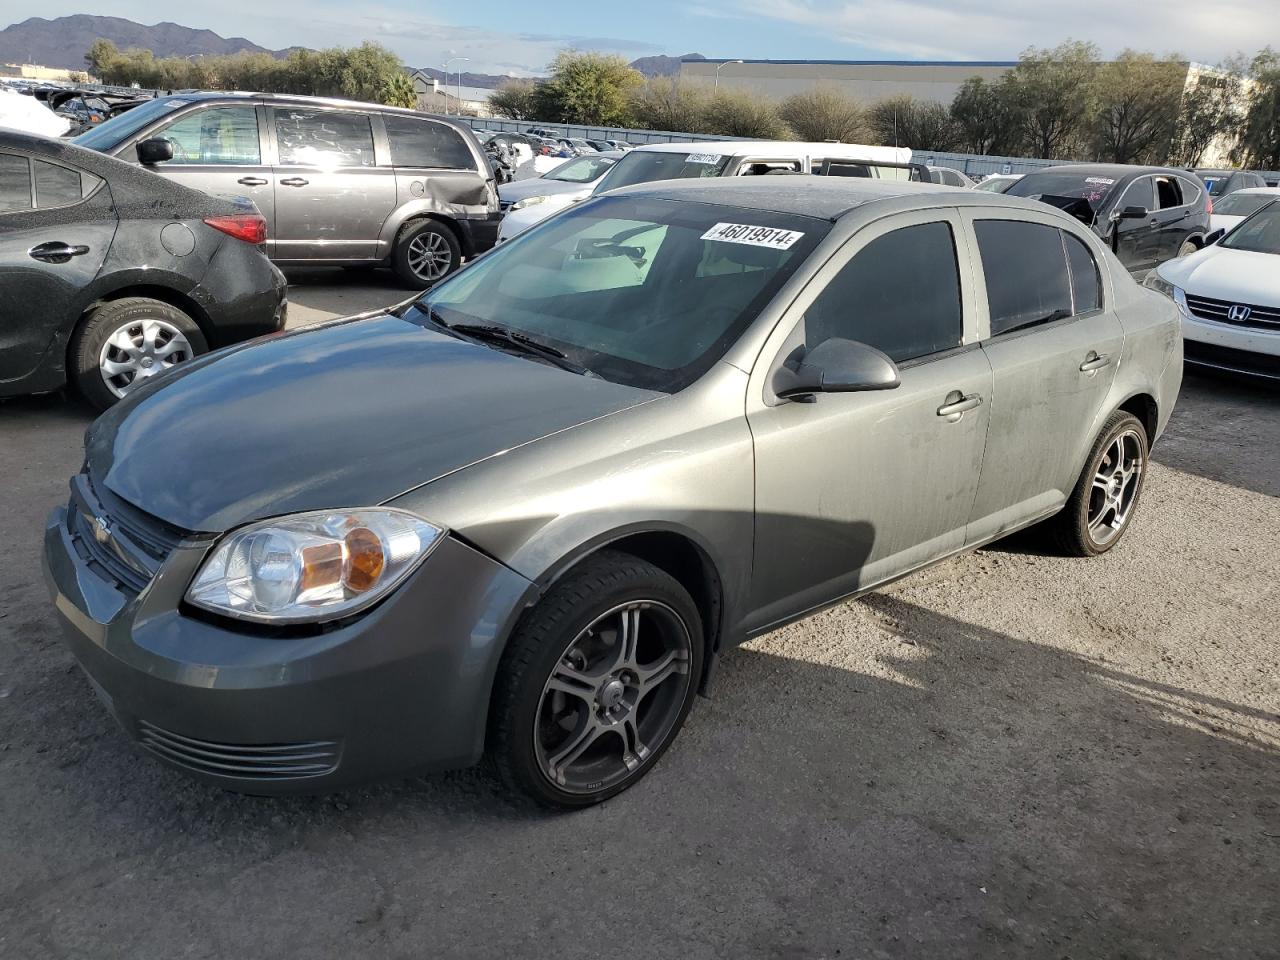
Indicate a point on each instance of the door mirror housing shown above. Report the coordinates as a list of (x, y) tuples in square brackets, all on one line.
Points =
[(835, 366), (155, 150), (1130, 213), (1214, 236)]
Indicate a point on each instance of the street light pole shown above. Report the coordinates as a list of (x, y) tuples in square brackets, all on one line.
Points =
[(446, 84), (718, 69)]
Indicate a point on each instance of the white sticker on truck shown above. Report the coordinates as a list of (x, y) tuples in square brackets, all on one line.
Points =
[(774, 237), (712, 158)]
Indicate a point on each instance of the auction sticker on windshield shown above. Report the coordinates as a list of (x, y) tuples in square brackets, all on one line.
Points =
[(702, 158), (773, 237), (1102, 180)]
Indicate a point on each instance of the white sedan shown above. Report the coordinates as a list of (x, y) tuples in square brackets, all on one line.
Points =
[(526, 202), (1234, 207), (1229, 295)]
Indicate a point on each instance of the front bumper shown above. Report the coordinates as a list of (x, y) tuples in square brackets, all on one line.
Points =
[(402, 689), (480, 234), (1229, 348)]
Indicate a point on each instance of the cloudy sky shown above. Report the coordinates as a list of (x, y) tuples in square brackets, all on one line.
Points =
[(520, 36)]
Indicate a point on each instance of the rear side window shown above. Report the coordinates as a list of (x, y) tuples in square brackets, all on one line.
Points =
[(1086, 284), (1026, 273), (15, 183), (216, 135), (327, 138), (422, 143), (1168, 193), (900, 294), (56, 186)]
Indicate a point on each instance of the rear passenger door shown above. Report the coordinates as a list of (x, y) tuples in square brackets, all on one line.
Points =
[(1054, 344), (331, 197), (218, 149), (49, 253), (435, 168)]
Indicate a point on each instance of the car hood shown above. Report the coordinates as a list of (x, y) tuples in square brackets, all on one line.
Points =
[(540, 187), (1241, 276), (350, 414)]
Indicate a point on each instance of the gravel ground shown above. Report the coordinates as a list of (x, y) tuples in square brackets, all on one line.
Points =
[(1007, 755)]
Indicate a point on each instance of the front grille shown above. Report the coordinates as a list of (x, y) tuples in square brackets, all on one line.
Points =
[(271, 761), (1219, 311), (120, 543)]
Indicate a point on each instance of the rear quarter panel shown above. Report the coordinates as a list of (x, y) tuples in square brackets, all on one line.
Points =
[(1152, 359)]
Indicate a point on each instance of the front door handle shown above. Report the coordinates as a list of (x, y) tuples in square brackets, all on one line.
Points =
[(55, 252), (252, 181), (294, 182), (954, 407), (1095, 361)]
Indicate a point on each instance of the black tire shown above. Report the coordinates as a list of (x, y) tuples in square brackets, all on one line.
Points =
[(546, 638), (103, 323), (1070, 529), (436, 237)]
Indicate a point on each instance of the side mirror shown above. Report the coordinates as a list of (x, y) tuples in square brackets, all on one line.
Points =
[(155, 150), (1130, 213), (1214, 236), (835, 366)]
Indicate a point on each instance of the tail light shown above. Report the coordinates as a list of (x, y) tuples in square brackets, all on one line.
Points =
[(1210, 204), (249, 227)]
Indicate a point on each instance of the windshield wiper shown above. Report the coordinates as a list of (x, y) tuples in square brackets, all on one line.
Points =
[(495, 333)]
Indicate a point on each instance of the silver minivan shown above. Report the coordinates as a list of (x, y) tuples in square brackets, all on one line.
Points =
[(339, 182)]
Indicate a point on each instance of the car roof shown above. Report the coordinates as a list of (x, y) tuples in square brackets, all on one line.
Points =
[(194, 96), (1116, 170), (823, 198), (1267, 191), (740, 148)]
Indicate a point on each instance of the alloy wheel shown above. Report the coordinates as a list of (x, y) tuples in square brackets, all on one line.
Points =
[(1115, 487), (429, 256), (614, 697), (138, 351)]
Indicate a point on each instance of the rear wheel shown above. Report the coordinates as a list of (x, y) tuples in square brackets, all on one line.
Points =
[(1103, 503), (426, 252), (596, 682), (124, 343)]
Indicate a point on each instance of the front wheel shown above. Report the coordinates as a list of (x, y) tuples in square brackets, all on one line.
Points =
[(1102, 505), (426, 252), (596, 682)]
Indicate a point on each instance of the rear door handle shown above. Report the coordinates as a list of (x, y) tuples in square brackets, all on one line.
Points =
[(294, 182), (1095, 361), (957, 403), (55, 252), (252, 181)]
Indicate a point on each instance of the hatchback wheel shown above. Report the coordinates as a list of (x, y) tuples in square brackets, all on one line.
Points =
[(126, 342), (596, 682), (1103, 503), (426, 252)]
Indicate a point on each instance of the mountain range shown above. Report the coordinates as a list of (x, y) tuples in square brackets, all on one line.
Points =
[(63, 41)]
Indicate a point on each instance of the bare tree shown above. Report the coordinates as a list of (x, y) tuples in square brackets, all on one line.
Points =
[(825, 115)]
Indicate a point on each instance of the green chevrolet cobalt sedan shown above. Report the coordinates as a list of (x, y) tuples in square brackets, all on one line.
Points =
[(524, 515)]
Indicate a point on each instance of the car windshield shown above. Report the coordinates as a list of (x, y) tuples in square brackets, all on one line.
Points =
[(646, 166), (109, 135), (645, 292), (1242, 204), (1259, 234), (1089, 187), (581, 170), (995, 184)]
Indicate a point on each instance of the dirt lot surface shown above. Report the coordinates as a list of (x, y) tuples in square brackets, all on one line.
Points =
[(1007, 755)]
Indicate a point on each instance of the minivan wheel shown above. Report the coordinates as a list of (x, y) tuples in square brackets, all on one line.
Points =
[(426, 252), (1103, 503), (596, 682), (125, 342), (1187, 248)]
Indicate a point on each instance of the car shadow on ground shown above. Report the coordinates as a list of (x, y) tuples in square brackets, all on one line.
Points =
[(919, 785)]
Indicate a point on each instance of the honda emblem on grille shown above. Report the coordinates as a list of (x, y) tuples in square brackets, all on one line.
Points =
[(1239, 313), (101, 529)]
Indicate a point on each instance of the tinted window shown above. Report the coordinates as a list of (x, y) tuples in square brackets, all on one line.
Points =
[(421, 143), (56, 186), (15, 183), (324, 138), (1092, 188), (1086, 285), (215, 135), (1026, 271), (900, 293), (1140, 194)]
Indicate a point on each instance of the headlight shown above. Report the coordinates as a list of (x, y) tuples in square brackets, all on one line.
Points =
[(1175, 293), (528, 202), (312, 566)]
